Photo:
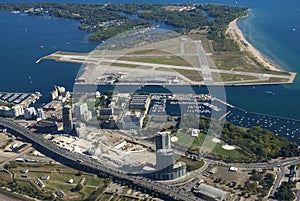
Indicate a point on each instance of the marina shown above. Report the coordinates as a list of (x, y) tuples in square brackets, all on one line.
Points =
[(283, 127), (24, 99), (214, 108)]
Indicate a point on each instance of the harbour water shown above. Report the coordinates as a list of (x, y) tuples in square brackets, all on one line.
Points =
[(273, 28), (25, 39)]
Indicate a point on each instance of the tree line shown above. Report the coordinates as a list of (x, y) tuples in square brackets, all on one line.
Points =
[(257, 143), (213, 18), (95, 18)]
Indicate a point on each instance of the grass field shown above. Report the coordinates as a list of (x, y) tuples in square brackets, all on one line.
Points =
[(207, 46), (186, 141), (59, 177), (149, 51), (190, 74), (130, 66), (168, 60), (113, 197), (232, 77), (191, 165), (240, 61), (234, 154)]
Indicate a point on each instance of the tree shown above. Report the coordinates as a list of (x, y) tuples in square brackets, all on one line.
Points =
[(78, 187), (79, 173), (284, 192)]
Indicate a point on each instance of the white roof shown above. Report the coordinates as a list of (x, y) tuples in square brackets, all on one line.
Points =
[(211, 190)]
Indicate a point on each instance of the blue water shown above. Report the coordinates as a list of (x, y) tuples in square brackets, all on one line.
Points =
[(25, 39), (272, 27)]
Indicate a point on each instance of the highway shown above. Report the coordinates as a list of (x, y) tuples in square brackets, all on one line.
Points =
[(47, 147)]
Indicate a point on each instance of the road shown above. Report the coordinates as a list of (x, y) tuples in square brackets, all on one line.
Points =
[(15, 157), (174, 192), (46, 146)]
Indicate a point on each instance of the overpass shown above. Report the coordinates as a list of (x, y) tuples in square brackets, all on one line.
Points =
[(90, 165)]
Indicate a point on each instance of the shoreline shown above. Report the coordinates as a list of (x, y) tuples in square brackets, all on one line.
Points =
[(237, 35)]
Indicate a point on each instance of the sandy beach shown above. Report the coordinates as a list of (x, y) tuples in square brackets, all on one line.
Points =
[(234, 31)]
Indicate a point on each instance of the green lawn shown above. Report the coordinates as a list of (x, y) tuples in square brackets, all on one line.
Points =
[(59, 175), (118, 64), (185, 140), (232, 77), (148, 51), (105, 197), (93, 103), (93, 180), (240, 61), (191, 165), (234, 154), (170, 60)]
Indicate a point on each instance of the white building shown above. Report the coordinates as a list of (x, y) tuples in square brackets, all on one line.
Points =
[(97, 94), (210, 193), (132, 121), (40, 114), (233, 169), (195, 133), (71, 181), (4, 111), (82, 112), (45, 178), (15, 111), (30, 113)]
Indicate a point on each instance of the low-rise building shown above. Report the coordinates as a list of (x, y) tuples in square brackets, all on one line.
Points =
[(14, 111), (209, 193), (132, 121), (60, 194), (30, 113), (140, 102), (195, 133), (23, 147), (71, 181), (82, 112), (45, 126), (40, 183), (233, 169), (45, 178), (40, 114), (58, 91), (14, 146), (24, 171), (52, 106)]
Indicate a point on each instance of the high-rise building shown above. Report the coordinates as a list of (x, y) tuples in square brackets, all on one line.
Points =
[(163, 140), (67, 119), (164, 159), (166, 166)]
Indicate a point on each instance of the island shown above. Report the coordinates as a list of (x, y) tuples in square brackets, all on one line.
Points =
[(208, 47)]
